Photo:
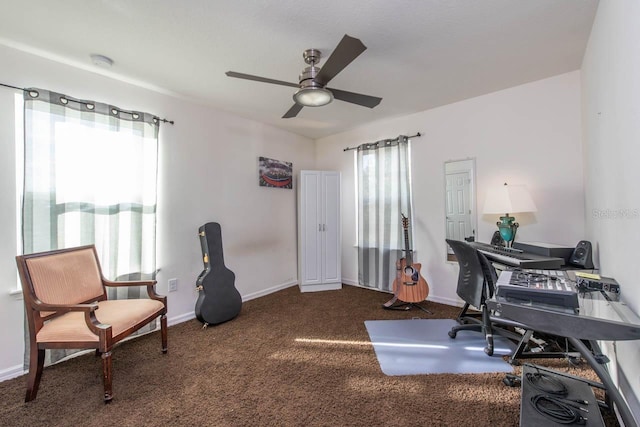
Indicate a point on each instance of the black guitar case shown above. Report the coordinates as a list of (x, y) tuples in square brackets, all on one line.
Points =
[(218, 299)]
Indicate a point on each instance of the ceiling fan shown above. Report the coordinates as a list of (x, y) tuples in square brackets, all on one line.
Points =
[(312, 90)]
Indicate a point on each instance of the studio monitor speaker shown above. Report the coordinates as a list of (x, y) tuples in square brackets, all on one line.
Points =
[(581, 255)]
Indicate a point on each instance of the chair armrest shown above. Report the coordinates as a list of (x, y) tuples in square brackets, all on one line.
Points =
[(64, 308), (129, 283), (89, 310), (149, 284)]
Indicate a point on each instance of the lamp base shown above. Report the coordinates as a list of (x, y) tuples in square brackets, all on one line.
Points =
[(508, 229)]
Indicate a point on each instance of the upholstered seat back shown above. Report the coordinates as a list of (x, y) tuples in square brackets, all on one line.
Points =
[(66, 278)]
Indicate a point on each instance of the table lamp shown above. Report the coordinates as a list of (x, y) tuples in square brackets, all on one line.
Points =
[(505, 200)]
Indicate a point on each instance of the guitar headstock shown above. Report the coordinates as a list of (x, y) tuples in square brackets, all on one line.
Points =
[(405, 221)]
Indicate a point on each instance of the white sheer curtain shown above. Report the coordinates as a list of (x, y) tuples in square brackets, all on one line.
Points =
[(384, 193), (90, 178)]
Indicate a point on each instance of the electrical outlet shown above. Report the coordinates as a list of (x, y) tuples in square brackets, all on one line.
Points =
[(173, 285)]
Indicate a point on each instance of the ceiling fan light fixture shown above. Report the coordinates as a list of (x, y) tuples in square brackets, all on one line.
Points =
[(313, 96)]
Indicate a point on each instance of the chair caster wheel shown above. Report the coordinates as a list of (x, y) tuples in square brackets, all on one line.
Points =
[(452, 334), (511, 381), (574, 361)]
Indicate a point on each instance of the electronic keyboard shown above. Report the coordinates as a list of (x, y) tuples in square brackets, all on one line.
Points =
[(517, 258)]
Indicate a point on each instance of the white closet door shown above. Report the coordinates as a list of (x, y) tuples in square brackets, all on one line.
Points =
[(331, 262), (311, 227)]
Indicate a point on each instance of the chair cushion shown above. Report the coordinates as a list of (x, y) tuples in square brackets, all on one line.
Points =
[(120, 314)]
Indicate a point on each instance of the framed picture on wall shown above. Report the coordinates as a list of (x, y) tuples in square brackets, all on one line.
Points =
[(275, 173)]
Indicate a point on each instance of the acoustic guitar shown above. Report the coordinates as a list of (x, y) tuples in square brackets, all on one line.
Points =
[(218, 298), (409, 286)]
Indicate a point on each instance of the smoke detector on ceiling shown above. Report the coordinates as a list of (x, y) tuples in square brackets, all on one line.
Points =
[(101, 60)]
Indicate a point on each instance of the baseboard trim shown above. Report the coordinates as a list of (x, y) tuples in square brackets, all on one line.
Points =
[(270, 290), (446, 301), (13, 372), (441, 300), (321, 287), (188, 316), (185, 317), (181, 318)]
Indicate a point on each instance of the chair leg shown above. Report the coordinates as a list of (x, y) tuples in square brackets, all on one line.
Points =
[(163, 332), (106, 376), (36, 363), (465, 318), (488, 331), (461, 315)]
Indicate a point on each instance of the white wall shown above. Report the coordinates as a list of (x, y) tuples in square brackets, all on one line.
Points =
[(208, 172), (530, 134), (611, 115), (11, 308)]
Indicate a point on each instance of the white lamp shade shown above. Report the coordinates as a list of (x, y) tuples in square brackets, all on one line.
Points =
[(508, 199)]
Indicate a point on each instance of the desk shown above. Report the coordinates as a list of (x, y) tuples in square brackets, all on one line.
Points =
[(598, 318)]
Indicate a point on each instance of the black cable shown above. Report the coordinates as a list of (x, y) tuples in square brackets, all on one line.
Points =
[(546, 383), (556, 410)]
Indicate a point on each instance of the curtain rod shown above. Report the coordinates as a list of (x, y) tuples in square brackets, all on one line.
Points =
[(23, 89), (417, 135)]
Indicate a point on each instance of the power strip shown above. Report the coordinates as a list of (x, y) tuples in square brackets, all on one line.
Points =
[(606, 284)]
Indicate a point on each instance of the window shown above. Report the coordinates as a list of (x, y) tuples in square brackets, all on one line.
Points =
[(384, 195), (90, 178)]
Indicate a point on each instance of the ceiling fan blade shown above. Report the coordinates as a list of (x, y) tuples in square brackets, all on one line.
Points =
[(293, 111), (259, 79), (355, 98), (347, 50)]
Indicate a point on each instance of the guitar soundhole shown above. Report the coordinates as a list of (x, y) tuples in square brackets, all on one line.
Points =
[(412, 273)]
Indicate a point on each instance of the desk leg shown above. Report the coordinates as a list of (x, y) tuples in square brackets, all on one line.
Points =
[(607, 382), (521, 346)]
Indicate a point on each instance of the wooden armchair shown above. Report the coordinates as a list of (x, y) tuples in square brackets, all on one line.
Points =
[(66, 305)]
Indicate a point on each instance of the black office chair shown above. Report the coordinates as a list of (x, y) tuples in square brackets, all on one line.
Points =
[(475, 284)]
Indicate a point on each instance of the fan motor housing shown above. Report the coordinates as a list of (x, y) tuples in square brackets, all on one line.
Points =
[(308, 75)]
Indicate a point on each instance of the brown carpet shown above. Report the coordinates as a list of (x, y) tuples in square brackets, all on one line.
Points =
[(288, 359)]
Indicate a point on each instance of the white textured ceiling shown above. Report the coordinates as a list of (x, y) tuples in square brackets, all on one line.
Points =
[(421, 53)]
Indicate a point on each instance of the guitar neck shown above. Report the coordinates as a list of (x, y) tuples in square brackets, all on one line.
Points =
[(408, 254)]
